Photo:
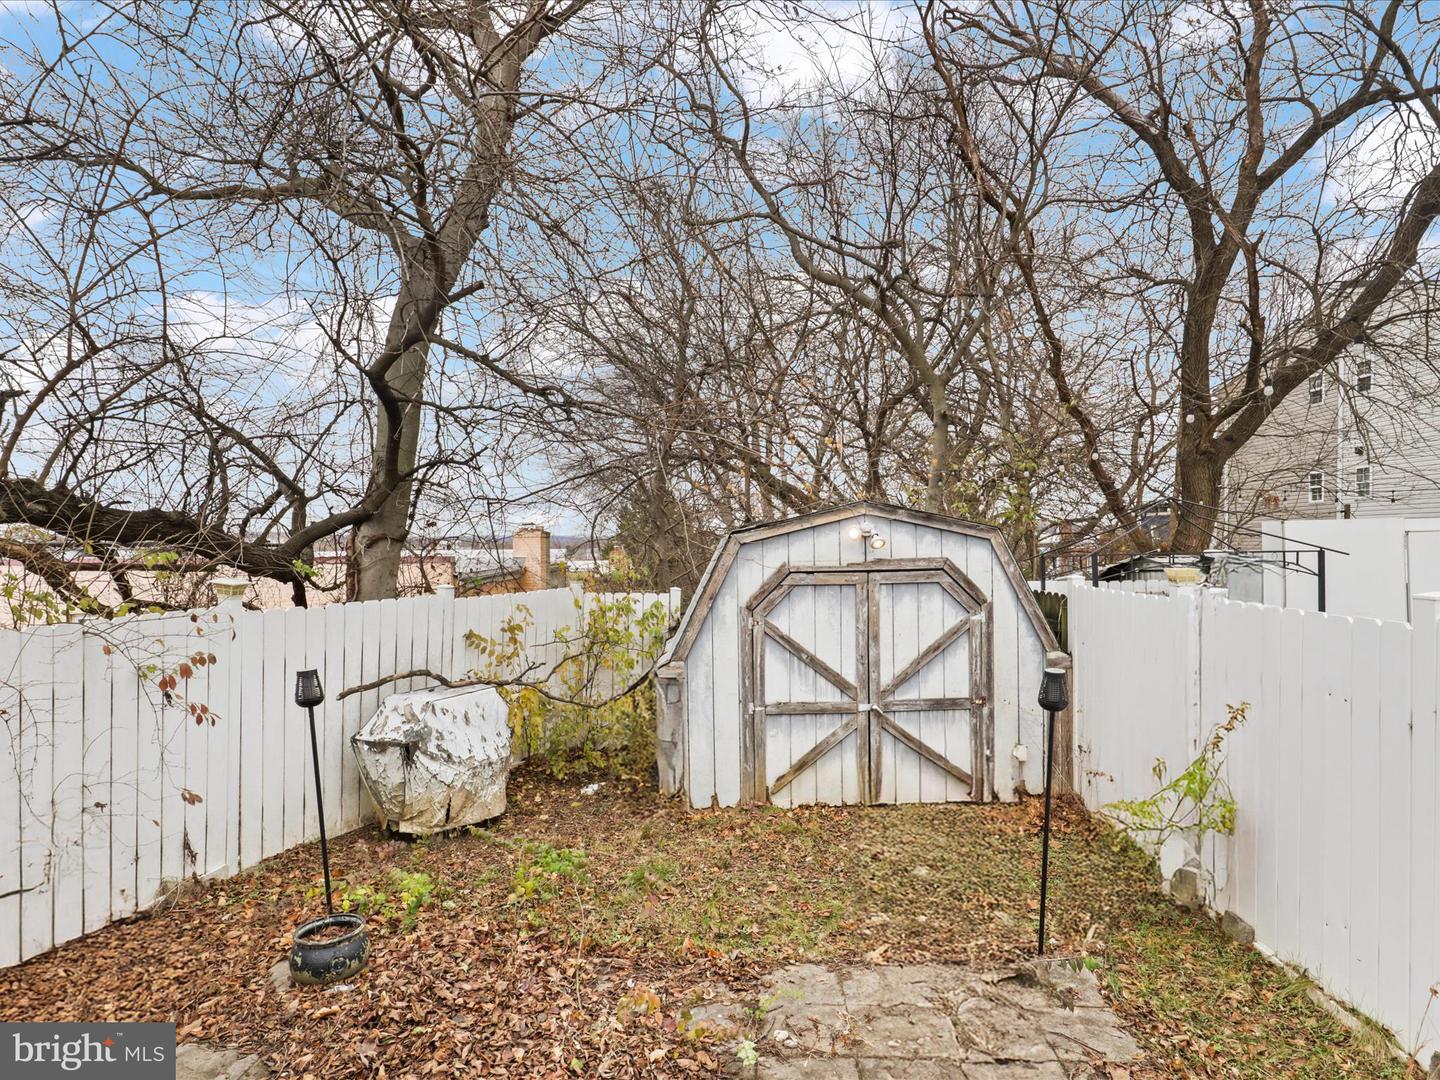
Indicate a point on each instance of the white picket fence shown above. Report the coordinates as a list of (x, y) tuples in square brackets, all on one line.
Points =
[(110, 790), (1334, 857)]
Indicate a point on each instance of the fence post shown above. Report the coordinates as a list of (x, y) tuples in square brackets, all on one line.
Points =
[(1210, 601), (1217, 853), (1424, 818), (230, 592), (1189, 597), (1187, 882)]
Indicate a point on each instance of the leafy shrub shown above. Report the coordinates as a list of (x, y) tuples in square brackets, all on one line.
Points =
[(30, 607), (594, 709), (1197, 801)]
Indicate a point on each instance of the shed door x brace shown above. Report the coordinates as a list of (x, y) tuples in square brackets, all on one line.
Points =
[(895, 654)]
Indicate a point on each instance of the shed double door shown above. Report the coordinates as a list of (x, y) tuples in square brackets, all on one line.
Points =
[(867, 686)]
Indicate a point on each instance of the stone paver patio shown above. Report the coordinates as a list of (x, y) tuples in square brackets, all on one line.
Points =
[(1041, 1021), (200, 1061)]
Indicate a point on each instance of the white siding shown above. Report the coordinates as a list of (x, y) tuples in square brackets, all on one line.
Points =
[(1397, 425)]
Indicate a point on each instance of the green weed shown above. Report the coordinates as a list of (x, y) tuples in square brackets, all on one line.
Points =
[(406, 894), (652, 875)]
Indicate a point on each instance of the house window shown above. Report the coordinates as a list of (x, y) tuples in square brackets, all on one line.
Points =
[(1363, 377), (1362, 481), (1317, 388), (1317, 487)]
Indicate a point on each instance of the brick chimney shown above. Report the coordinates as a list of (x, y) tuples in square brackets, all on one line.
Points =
[(531, 545)]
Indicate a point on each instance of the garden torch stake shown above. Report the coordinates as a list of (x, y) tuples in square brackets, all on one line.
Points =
[(1054, 697), (309, 693)]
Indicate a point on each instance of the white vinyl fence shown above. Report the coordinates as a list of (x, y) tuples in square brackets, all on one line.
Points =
[(1334, 856), (115, 784)]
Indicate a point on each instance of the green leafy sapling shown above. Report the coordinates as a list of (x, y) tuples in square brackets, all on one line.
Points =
[(1197, 801)]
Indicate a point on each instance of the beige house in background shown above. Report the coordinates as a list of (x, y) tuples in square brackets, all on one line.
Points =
[(1359, 441), (473, 568)]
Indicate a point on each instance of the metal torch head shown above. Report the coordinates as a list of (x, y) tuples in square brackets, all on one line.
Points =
[(308, 691), (1054, 690)]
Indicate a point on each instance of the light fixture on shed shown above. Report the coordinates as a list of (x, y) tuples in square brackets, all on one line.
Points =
[(1054, 698), (863, 531)]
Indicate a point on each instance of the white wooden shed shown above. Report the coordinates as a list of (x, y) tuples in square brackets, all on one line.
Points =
[(815, 665)]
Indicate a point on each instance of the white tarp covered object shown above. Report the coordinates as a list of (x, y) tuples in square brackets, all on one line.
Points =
[(436, 759)]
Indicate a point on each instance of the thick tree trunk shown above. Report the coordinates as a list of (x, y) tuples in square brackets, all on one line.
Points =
[(434, 266), (1199, 481), (1199, 462), (378, 544)]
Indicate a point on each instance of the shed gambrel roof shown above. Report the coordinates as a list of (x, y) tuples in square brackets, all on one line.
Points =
[(709, 586)]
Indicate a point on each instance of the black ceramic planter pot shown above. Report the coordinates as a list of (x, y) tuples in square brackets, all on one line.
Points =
[(315, 962)]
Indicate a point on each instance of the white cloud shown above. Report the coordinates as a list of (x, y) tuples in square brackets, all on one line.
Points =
[(1378, 163), (1196, 27), (25, 218), (844, 43), (281, 335)]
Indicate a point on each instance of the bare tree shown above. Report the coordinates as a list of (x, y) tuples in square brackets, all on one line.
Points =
[(1216, 138), (717, 385), (243, 305), (859, 178)]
